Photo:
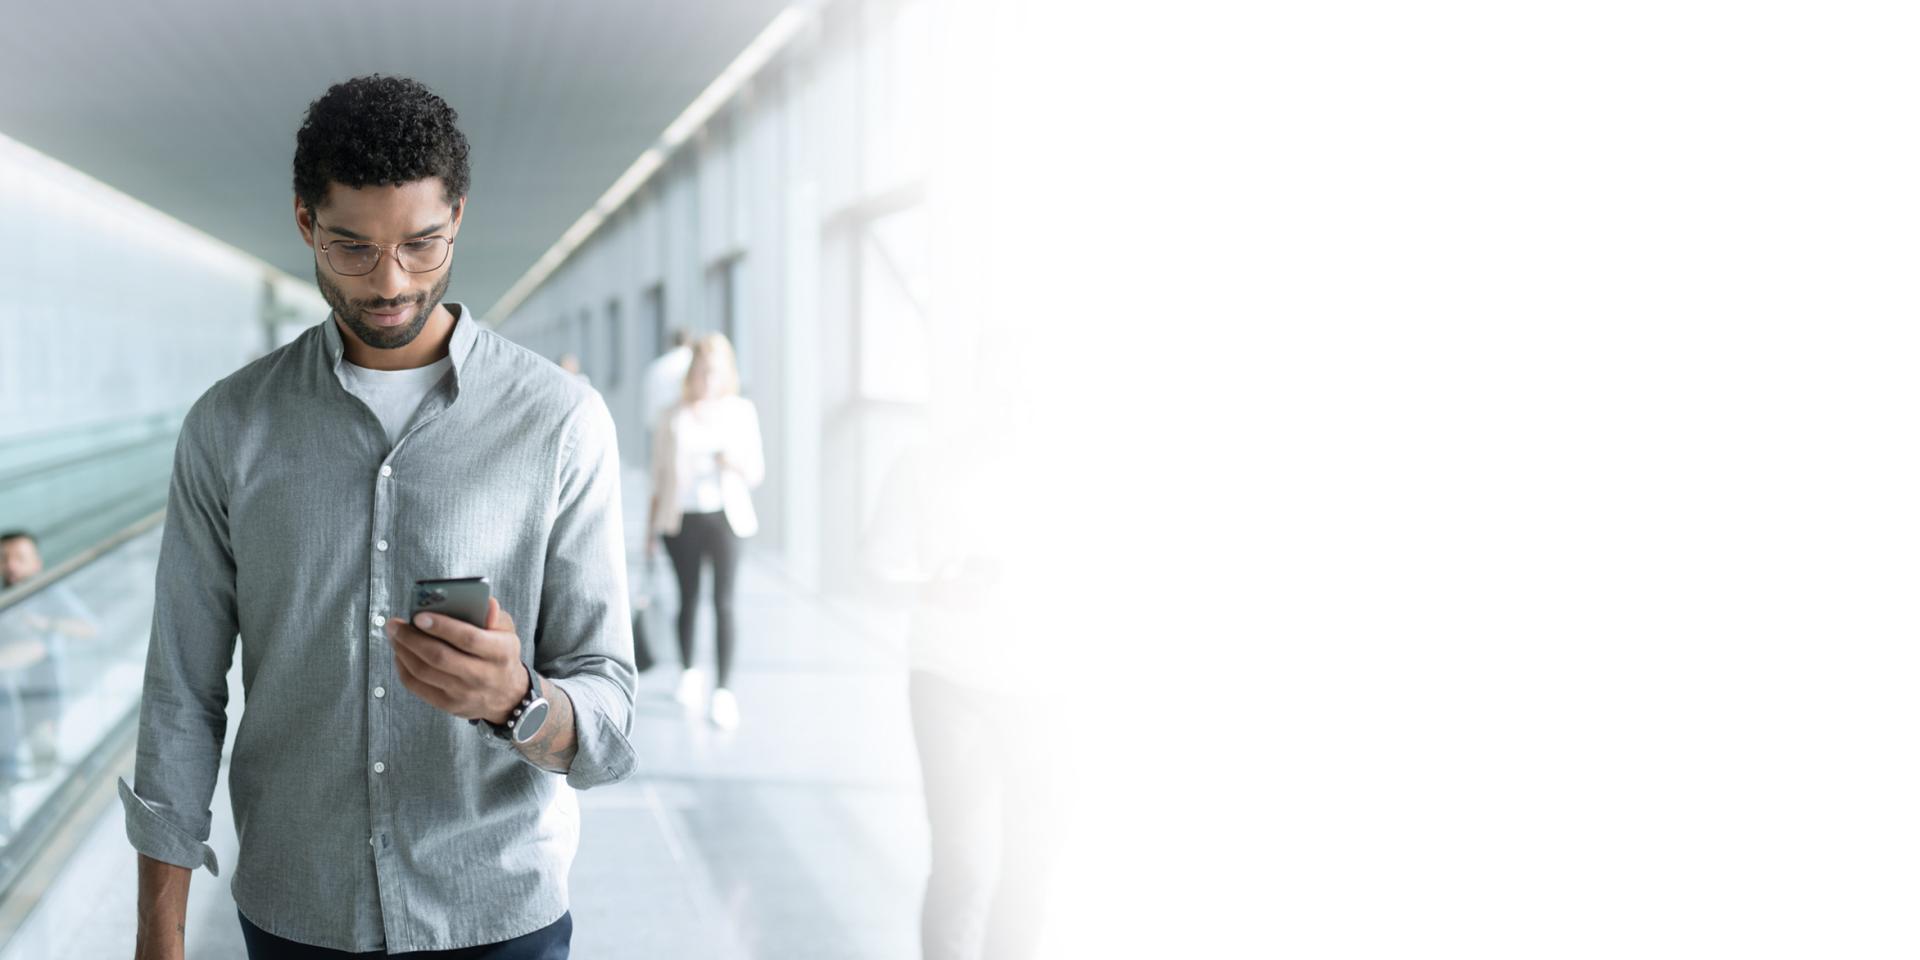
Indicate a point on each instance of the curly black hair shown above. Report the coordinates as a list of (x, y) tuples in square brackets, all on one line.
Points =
[(378, 131)]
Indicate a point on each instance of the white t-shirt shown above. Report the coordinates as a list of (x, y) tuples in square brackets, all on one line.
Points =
[(725, 424), (394, 395)]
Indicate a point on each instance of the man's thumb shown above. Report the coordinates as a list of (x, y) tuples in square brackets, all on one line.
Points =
[(498, 619)]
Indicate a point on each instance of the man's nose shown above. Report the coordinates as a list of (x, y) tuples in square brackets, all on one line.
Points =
[(389, 281)]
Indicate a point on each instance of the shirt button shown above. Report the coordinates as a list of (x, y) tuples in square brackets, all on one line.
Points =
[(379, 768), (386, 471), (382, 545), (373, 841), (379, 621), (379, 692)]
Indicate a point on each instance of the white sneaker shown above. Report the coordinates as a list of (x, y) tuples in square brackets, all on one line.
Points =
[(726, 710), (693, 688)]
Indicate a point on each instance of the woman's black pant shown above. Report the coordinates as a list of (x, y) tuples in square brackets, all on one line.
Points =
[(703, 537)]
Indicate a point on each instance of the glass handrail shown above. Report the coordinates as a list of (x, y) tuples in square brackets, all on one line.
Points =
[(73, 490)]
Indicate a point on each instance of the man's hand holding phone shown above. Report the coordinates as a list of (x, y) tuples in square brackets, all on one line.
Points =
[(457, 667)]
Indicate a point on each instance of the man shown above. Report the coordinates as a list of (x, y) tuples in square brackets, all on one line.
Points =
[(665, 375), (19, 557), (33, 657), (397, 787)]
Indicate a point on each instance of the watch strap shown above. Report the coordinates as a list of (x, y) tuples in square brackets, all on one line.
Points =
[(505, 730)]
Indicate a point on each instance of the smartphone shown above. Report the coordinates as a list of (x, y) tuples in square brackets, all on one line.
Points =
[(463, 598)]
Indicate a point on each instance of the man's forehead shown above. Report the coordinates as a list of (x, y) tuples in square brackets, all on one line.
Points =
[(412, 209), (426, 197), (341, 227)]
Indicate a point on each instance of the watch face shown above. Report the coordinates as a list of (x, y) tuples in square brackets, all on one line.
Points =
[(530, 722)]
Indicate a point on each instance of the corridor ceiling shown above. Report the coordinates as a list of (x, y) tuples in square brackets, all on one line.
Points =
[(191, 107)]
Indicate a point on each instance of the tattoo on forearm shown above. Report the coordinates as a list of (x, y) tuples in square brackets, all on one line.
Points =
[(553, 748)]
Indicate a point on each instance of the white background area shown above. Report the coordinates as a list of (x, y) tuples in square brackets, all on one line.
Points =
[(1538, 543)]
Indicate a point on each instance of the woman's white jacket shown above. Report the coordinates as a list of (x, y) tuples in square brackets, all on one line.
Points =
[(731, 424)]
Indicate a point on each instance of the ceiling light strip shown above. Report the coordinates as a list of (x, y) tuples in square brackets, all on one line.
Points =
[(127, 205), (757, 54)]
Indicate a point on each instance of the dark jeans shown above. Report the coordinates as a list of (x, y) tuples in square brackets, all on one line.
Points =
[(547, 943), (986, 761), (705, 536)]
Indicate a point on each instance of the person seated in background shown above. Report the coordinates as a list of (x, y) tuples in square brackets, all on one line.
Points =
[(33, 651)]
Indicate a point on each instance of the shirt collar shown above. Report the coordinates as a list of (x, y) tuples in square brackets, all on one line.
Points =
[(458, 346)]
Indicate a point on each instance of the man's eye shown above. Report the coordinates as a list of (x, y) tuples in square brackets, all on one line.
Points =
[(354, 249)]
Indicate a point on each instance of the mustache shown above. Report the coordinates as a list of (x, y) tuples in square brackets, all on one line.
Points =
[(385, 306)]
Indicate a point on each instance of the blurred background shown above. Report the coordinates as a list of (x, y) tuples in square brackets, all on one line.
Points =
[(880, 203), (1442, 467)]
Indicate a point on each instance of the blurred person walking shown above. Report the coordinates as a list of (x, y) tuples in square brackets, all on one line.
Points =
[(659, 392), (706, 460), (961, 525), (666, 374)]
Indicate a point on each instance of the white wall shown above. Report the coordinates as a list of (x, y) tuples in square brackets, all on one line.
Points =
[(783, 182), (111, 310)]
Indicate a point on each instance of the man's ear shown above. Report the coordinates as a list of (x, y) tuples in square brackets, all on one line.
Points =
[(459, 210), (303, 218)]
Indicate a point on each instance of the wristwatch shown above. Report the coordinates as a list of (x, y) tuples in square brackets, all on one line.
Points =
[(527, 718)]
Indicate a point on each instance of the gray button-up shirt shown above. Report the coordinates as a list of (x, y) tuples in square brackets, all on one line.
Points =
[(367, 818)]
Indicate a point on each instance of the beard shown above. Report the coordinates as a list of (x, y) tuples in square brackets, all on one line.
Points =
[(354, 315)]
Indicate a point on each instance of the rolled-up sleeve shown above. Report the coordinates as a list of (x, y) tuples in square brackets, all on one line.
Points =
[(584, 642), (183, 719)]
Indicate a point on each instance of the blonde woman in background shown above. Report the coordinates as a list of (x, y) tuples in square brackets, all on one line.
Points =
[(706, 460)]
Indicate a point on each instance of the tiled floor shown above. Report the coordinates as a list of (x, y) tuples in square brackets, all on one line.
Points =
[(798, 835)]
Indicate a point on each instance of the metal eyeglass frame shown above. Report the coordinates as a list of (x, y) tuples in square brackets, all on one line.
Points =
[(385, 250)]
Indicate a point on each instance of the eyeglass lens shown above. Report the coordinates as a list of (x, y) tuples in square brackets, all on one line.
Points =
[(416, 256)]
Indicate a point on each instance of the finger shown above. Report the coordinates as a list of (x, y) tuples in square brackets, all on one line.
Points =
[(461, 635), (421, 688), (431, 649), (421, 669), (498, 619), (438, 661)]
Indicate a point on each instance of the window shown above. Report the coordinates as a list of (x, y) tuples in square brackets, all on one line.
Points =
[(724, 309), (616, 345), (653, 306), (583, 344)]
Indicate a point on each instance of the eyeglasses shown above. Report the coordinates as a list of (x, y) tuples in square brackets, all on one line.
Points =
[(357, 258)]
